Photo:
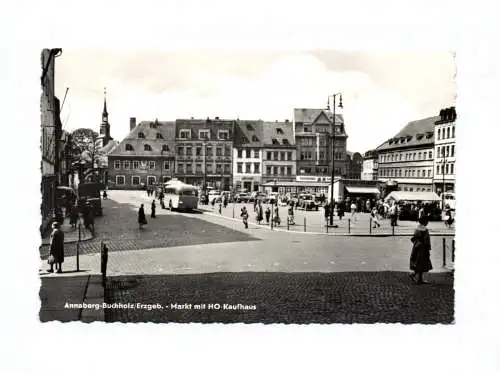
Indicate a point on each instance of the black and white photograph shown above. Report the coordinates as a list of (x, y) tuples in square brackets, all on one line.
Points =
[(275, 187)]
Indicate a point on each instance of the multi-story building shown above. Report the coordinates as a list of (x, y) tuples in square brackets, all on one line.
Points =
[(279, 158), (354, 166), (313, 133), (370, 165), (444, 150), (247, 155), (51, 131), (408, 157), (204, 152), (144, 157)]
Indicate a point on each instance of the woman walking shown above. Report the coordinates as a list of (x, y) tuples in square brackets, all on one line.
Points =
[(260, 213), (56, 254), (374, 213), (420, 260), (153, 209), (268, 214), (142, 217), (244, 215)]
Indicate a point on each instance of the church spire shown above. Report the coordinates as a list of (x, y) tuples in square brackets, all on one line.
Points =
[(105, 110)]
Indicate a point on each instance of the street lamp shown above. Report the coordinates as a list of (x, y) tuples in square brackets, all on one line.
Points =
[(334, 96), (443, 162)]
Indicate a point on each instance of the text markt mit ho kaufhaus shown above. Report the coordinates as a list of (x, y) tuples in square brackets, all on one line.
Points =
[(159, 306)]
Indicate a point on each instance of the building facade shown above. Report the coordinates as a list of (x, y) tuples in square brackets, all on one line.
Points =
[(370, 166), (279, 160), (247, 155), (354, 166), (408, 158), (315, 133), (144, 157), (204, 152), (444, 150)]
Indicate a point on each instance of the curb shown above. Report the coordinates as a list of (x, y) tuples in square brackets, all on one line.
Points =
[(94, 294), (324, 233)]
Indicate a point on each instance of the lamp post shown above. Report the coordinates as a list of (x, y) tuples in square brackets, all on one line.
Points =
[(443, 162), (334, 97)]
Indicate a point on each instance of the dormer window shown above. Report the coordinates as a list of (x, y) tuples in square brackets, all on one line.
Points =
[(185, 134), (147, 147), (223, 134), (204, 134), (279, 131), (129, 147), (420, 136), (159, 136), (249, 127), (255, 138), (275, 142), (165, 148), (141, 135), (285, 142), (307, 127)]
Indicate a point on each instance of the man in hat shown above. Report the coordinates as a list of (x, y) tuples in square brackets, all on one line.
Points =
[(56, 253)]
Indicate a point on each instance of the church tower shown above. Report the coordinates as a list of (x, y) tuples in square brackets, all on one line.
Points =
[(104, 131)]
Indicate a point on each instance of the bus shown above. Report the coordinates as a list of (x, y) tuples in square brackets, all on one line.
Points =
[(180, 196)]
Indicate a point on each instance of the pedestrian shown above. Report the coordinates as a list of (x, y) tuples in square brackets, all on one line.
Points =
[(268, 214), (244, 215), (368, 205), (88, 217), (276, 218), (153, 209), (73, 216), (420, 261), (104, 194), (56, 253), (448, 219), (340, 209), (353, 211), (291, 220), (225, 201), (393, 214), (260, 215), (327, 212), (374, 213), (213, 203), (220, 207), (255, 205), (142, 217)]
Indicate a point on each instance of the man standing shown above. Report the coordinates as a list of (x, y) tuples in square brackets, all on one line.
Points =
[(393, 214), (56, 254)]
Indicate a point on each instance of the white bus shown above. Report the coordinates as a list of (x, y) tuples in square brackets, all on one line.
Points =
[(180, 196)]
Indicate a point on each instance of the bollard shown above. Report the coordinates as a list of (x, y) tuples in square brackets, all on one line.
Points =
[(78, 247), (370, 226), (304, 223), (453, 251), (104, 262), (327, 227), (349, 226), (444, 251), (287, 224), (233, 209), (272, 218)]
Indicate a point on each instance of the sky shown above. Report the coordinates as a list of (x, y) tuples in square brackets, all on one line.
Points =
[(381, 91)]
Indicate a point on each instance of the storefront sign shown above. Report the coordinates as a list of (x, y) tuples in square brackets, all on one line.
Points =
[(314, 178)]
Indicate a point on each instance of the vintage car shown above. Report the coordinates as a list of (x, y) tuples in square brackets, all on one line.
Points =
[(242, 197), (307, 201)]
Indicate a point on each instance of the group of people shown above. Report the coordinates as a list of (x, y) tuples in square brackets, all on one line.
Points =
[(260, 213)]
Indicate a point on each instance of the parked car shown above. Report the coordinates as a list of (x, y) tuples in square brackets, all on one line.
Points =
[(307, 201), (257, 196), (214, 195), (242, 198), (292, 197), (271, 197)]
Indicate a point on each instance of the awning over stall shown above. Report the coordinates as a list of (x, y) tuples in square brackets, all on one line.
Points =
[(413, 196), (362, 190)]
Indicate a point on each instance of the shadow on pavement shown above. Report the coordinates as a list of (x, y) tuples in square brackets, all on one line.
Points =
[(298, 298)]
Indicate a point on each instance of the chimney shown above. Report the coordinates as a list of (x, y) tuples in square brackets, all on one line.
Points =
[(132, 123)]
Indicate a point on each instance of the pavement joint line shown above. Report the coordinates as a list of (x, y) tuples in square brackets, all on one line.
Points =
[(409, 234)]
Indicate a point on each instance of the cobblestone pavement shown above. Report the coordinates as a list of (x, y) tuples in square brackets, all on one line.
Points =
[(345, 297), (315, 222)]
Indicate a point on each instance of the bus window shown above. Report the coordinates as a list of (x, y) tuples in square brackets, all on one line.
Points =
[(189, 193), (170, 191)]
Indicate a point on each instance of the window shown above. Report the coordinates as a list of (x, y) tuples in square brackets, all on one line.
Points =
[(227, 150), (189, 168), (141, 135), (279, 131), (439, 134), (151, 180), (249, 127), (282, 170), (218, 168), (166, 165), (256, 153), (129, 147), (239, 167), (218, 152), (418, 173), (285, 142), (414, 156), (198, 168), (447, 150), (275, 142), (248, 168), (453, 131), (288, 156), (419, 155), (275, 156), (256, 168), (135, 165), (147, 147), (446, 169), (275, 170), (437, 170), (430, 155), (425, 155), (189, 151), (165, 148), (412, 173), (180, 150), (400, 173), (451, 168), (429, 173), (180, 168), (198, 151), (282, 156), (423, 172), (240, 153), (248, 153), (120, 180), (288, 170), (159, 136), (136, 180), (227, 168), (209, 151), (209, 168), (185, 134), (223, 134), (453, 150), (307, 128), (126, 165), (116, 164), (448, 133), (268, 156), (204, 134), (321, 155), (255, 138), (152, 165)]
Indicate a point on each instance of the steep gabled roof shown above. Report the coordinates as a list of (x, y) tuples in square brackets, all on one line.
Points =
[(270, 132), (417, 132), (149, 129), (304, 115), (248, 134)]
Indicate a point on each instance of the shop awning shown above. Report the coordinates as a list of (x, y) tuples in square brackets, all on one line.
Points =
[(362, 190), (413, 196)]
